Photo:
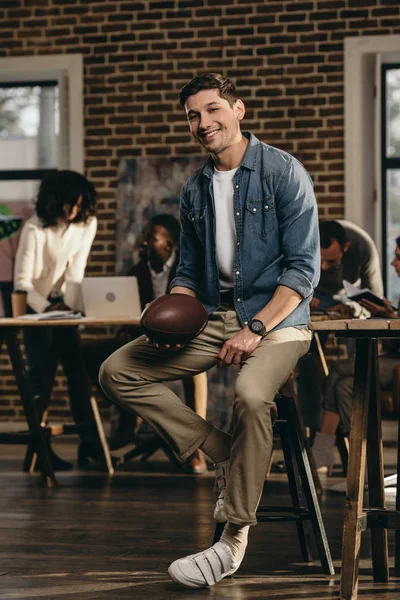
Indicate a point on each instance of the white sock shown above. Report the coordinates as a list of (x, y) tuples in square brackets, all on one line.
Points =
[(235, 536)]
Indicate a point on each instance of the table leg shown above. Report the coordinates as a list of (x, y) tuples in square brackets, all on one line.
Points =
[(379, 543), (356, 471), (95, 418), (40, 444)]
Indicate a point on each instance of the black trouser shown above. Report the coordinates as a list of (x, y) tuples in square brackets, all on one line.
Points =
[(45, 346)]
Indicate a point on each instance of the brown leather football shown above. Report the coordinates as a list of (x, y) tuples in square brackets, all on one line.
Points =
[(174, 319)]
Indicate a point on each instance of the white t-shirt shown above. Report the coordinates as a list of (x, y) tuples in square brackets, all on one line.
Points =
[(225, 230), (160, 280)]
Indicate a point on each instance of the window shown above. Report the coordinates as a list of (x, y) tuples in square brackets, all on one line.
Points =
[(372, 165), (390, 170), (41, 129)]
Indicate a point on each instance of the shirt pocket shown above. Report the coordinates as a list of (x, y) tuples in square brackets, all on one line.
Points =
[(197, 216), (261, 215)]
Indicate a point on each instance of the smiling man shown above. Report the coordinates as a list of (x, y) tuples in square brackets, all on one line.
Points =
[(250, 253)]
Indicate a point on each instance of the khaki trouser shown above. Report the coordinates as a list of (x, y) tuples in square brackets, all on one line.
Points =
[(132, 377)]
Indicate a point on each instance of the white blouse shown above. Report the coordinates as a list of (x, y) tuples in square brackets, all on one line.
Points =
[(52, 261)]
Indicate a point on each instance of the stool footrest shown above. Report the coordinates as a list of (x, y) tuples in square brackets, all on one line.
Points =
[(293, 509), (282, 519)]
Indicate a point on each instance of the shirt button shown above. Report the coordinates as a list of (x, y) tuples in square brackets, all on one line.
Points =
[(237, 214), (254, 210), (237, 299), (246, 322), (237, 187), (237, 243), (266, 206), (237, 272)]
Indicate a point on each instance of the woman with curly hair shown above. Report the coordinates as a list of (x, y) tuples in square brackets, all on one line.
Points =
[(49, 266)]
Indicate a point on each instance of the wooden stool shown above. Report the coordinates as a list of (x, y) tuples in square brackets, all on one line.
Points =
[(305, 506)]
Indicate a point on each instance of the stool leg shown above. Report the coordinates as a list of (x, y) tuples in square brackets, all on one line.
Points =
[(295, 490), (309, 488)]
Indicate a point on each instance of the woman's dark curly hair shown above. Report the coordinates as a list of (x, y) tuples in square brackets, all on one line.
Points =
[(60, 190)]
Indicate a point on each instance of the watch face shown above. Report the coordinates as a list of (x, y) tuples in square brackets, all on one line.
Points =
[(257, 326)]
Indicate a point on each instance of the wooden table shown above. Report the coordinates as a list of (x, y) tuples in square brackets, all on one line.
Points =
[(37, 434), (366, 445)]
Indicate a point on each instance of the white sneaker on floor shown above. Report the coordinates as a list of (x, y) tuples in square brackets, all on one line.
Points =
[(221, 477), (205, 569)]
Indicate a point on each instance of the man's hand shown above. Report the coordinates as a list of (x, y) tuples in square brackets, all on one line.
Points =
[(342, 310), (238, 348), (380, 311), (58, 306)]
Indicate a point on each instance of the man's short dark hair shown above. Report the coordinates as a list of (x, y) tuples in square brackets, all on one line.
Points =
[(63, 188), (209, 81), (329, 231), (398, 242), (169, 223)]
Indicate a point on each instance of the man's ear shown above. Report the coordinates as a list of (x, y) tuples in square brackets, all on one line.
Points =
[(346, 247), (240, 109)]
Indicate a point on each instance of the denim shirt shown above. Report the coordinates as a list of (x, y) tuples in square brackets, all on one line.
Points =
[(276, 221)]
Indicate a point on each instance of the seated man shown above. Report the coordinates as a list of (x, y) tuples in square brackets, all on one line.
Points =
[(347, 252), (338, 394), (250, 253)]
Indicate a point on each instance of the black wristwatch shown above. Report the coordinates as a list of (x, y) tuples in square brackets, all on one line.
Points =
[(256, 326)]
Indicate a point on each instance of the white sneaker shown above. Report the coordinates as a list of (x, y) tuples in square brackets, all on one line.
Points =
[(205, 569), (221, 477)]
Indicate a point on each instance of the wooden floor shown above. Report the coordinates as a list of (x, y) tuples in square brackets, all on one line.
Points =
[(93, 539)]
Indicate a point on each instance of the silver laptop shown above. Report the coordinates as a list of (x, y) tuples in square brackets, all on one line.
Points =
[(111, 297)]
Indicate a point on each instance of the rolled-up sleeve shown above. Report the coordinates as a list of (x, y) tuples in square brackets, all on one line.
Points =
[(298, 221)]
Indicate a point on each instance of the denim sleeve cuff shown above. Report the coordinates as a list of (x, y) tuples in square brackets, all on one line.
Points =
[(183, 282), (298, 282)]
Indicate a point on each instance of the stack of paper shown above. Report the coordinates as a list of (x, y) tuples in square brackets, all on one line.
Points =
[(53, 315)]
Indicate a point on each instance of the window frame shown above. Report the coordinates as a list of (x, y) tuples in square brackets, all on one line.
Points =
[(69, 76), (363, 56)]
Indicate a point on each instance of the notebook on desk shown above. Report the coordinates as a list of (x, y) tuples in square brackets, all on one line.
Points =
[(105, 297)]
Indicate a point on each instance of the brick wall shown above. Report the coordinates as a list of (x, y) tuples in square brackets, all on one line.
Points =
[(286, 58)]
